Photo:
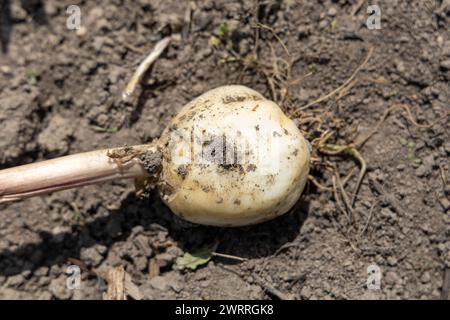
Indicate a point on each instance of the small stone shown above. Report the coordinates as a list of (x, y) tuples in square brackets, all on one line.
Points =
[(137, 230), (16, 281), (51, 8), (41, 272), (59, 232), (88, 66), (114, 75), (332, 12), (425, 277), (140, 263), (303, 32), (392, 278), (44, 281), (159, 283), (392, 261), (177, 287), (400, 66), (323, 24), (174, 251), (205, 283), (6, 70), (98, 43), (81, 31), (91, 256), (445, 203), (55, 270), (164, 259), (95, 14), (59, 289), (306, 292), (441, 247), (422, 171), (401, 167), (419, 146), (389, 214), (143, 245), (445, 65)]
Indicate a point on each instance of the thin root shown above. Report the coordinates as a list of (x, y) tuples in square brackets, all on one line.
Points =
[(332, 149), (143, 67), (385, 115), (343, 86)]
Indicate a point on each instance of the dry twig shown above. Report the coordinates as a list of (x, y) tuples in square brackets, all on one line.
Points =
[(270, 288), (120, 285)]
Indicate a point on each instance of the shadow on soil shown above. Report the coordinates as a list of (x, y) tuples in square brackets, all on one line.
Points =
[(248, 242)]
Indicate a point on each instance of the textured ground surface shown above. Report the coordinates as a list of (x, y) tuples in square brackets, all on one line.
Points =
[(60, 93)]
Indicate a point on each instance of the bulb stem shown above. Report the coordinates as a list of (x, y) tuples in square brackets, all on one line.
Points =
[(73, 171)]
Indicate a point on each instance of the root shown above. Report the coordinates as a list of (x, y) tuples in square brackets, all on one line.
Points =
[(333, 149), (143, 67), (386, 114), (343, 86)]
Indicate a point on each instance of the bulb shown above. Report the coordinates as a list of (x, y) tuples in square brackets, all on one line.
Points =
[(232, 158)]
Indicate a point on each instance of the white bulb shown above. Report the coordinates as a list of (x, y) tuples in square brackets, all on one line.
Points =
[(232, 158)]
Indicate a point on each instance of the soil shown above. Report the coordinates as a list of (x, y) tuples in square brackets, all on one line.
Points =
[(60, 93)]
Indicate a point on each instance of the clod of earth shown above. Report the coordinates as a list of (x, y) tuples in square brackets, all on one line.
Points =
[(211, 165)]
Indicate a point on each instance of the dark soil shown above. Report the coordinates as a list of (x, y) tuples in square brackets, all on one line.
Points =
[(60, 93)]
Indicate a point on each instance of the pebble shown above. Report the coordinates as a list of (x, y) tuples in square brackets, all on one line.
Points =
[(59, 289), (392, 261), (332, 12), (425, 277), (164, 259), (400, 66), (441, 247), (445, 203), (303, 32), (59, 232), (41, 272), (44, 281), (306, 292), (140, 262), (16, 281), (143, 245), (422, 171), (114, 75), (159, 283), (51, 9), (392, 278), (91, 256), (445, 65), (174, 251), (389, 214)]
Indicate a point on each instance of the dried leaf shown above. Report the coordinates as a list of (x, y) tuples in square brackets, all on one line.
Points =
[(195, 259)]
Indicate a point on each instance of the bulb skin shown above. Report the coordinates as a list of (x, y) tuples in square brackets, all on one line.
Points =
[(232, 158)]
